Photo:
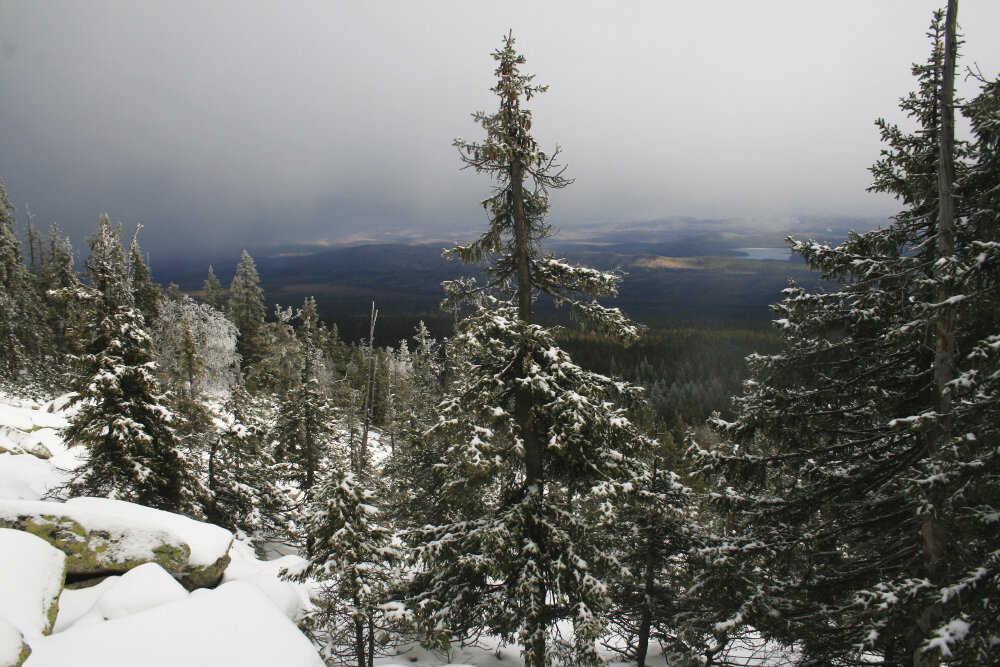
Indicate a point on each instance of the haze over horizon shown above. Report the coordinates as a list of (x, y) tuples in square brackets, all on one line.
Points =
[(224, 124)]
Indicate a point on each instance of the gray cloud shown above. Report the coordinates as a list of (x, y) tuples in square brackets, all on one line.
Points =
[(235, 122)]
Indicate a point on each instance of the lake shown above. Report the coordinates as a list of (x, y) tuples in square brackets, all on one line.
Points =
[(780, 254)]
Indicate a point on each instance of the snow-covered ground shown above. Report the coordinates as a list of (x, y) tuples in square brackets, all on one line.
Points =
[(145, 616)]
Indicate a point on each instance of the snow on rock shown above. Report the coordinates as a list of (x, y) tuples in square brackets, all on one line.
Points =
[(13, 650), (26, 427), (143, 588), (94, 541), (209, 544), (291, 598), (32, 573), (235, 624), (102, 536)]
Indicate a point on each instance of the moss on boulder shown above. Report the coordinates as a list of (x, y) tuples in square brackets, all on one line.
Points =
[(102, 537)]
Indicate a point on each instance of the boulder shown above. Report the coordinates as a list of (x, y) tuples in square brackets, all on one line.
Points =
[(75, 602), (32, 574), (101, 537), (95, 543), (208, 544), (27, 477), (13, 650)]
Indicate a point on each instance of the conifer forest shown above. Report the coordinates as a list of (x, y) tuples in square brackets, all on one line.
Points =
[(552, 479)]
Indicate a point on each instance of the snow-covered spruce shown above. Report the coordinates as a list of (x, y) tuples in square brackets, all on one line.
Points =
[(538, 448), (352, 560), (123, 424), (871, 449)]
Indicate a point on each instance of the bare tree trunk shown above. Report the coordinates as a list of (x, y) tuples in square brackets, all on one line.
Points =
[(359, 635), (648, 582), (534, 477), (371, 642), (933, 530), (944, 362), (369, 396)]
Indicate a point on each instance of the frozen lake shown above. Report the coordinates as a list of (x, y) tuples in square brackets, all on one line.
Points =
[(780, 254)]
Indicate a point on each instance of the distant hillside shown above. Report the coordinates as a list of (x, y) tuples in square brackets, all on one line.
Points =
[(694, 275)]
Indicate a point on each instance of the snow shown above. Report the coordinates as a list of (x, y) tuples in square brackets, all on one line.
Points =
[(25, 599), (952, 633), (14, 416), (133, 538), (11, 643), (234, 624), (139, 589), (26, 476), (208, 542), (488, 653), (74, 603), (290, 597)]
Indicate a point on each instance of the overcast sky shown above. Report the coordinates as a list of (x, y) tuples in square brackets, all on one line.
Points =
[(232, 123)]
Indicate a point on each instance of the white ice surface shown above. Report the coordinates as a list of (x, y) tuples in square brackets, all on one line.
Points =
[(31, 577), (235, 625), (208, 542)]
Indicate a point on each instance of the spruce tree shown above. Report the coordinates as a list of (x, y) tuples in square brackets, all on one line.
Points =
[(245, 493), (414, 481), (352, 560), (64, 298), (965, 477), (655, 528), (131, 451), (20, 313), (539, 448), (863, 439), (246, 310), (304, 430), (212, 291), (147, 293)]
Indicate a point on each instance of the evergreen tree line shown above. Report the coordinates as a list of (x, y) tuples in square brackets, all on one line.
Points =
[(687, 373), (442, 490)]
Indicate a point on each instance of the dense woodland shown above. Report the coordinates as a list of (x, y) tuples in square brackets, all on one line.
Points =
[(558, 487)]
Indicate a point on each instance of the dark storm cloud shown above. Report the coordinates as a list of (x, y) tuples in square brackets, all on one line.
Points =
[(226, 123)]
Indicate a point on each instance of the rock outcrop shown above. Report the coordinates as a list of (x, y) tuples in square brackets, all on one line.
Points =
[(102, 537)]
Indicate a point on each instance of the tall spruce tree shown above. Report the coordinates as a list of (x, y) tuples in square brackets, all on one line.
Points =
[(536, 441), (147, 293), (246, 310), (131, 452), (212, 290), (964, 478), (862, 440)]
